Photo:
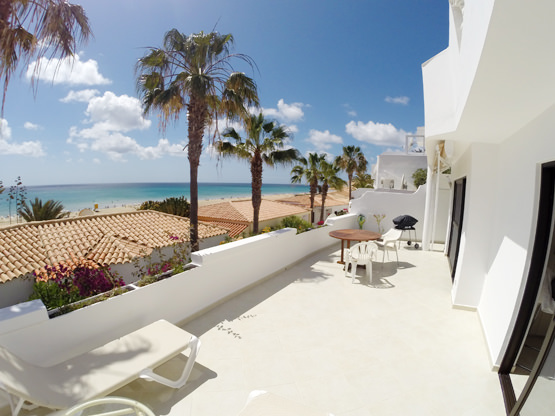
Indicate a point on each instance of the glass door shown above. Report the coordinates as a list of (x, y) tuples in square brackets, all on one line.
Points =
[(527, 371), (457, 214)]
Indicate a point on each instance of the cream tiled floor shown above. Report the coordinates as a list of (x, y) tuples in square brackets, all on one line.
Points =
[(392, 346)]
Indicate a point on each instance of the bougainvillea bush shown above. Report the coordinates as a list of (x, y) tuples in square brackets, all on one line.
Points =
[(61, 285), (152, 271)]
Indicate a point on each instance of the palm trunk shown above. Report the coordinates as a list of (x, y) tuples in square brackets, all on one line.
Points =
[(325, 188), (197, 117), (313, 190), (256, 175), (5, 11), (350, 176)]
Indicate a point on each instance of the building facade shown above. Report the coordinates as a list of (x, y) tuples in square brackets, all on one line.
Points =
[(489, 115)]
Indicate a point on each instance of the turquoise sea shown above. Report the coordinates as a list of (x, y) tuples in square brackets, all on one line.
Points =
[(78, 197)]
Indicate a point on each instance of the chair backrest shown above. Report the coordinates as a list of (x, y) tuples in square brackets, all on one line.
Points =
[(393, 234), (364, 251)]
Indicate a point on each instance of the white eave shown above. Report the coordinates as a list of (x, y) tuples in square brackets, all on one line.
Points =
[(513, 82)]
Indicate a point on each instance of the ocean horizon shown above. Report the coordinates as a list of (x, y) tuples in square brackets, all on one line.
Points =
[(110, 195)]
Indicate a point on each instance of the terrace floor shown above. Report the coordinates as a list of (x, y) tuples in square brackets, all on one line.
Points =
[(392, 346)]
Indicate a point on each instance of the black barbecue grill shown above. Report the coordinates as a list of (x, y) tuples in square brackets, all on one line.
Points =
[(406, 223)]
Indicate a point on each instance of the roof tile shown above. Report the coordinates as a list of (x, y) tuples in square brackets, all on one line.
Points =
[(242, 211), (234, 228), (106, 239)]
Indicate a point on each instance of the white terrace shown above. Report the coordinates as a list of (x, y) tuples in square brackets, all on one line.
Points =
[(392, 346)]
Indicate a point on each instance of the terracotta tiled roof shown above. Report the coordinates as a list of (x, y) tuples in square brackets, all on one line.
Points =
[(235, 229), (106, 239), (332, 199), (241, 211)]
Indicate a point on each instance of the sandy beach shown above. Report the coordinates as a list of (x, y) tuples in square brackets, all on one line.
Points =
[(5, 222)]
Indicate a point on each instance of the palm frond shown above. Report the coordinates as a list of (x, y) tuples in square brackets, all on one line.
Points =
[(193, 74), (56, 25), (37, 211)]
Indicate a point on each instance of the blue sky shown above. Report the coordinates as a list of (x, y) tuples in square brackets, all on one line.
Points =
[(336, 73)]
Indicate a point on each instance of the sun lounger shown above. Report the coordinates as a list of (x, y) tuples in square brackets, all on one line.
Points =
[(107, 406), (99, 372)]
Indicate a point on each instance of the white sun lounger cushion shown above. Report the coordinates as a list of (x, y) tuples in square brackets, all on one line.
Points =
[(99, 372)]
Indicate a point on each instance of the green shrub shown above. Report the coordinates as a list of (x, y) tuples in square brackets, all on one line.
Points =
[(419, 177), (153, 205), (53, 295), (295, 222), (173, 205)]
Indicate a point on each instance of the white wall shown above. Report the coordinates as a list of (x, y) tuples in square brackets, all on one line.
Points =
[(396, 165), (395, 203), (328, 210), (448, 76), (479, 165), (223, 270), (476, 92), (514, 224), (499, 225), (18, 290)]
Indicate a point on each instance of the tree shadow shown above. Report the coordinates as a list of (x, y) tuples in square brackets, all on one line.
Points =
[(318, 267)]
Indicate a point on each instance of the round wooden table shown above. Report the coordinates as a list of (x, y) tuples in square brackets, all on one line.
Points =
[(349, 235)]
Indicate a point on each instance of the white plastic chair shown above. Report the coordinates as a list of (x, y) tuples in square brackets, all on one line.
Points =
[(389, 242), (363, 254)]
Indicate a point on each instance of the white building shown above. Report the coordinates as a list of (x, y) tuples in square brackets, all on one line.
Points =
[(394, 170), (490, 117)]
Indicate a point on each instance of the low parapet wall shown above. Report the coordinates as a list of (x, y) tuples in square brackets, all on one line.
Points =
[(393, 204), (222, 271)]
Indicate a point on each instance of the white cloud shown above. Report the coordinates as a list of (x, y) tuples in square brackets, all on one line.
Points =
[(110, 117), (117, 113), (349, 110), (286, 112), (83, 96), (328, 156), (117, 146), (323, 140), (403, 100), (7, 147), (67, 71), (5, 130), (292, 129), (223, 124), (31, 126), (376, 133)]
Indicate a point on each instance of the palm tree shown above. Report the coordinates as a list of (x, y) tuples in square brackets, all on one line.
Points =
[(309, 170), (352, 160), (329, 172), (193, 74), (36, 28), (263, 144), (50, 210), (363, 180)]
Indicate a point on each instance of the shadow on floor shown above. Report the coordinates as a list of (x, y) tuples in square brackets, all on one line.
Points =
[(237, 306), (380, 273), (161, 398)]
